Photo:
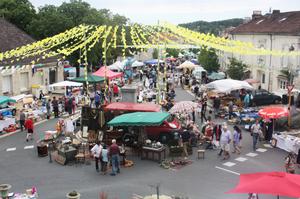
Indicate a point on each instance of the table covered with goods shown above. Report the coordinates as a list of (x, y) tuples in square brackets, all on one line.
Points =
[(288, 141)]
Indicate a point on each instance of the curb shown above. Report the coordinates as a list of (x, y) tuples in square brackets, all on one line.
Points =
[(17, 131)]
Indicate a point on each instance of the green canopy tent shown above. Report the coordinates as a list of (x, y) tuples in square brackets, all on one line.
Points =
[(139, 119), (5, 99), (91, 79)]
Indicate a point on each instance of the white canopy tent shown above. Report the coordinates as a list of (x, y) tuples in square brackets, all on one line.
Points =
[(136, 64), (65, 83), (228, 85), (187, 65), (118, 66)]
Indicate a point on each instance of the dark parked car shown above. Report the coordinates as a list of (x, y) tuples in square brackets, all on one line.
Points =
[(263, 97)]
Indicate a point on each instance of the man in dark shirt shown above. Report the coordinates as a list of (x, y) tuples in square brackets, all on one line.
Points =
[(185, 136), (114, 152), (22, 120), (55, 107)]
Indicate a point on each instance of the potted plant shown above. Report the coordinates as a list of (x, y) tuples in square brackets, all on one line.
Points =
[(73, 195), (4, 190)]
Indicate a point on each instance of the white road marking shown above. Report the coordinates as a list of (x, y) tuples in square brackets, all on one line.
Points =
[(241, 159), (229, 164), (251, 154), (229, 171), (261, 150), (29, 147), (268, 146), (11, 149)]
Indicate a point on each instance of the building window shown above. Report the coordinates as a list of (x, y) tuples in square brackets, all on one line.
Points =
[(263, 78), (283, 84)]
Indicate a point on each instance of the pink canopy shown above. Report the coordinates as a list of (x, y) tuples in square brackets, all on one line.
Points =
[(105, 72)]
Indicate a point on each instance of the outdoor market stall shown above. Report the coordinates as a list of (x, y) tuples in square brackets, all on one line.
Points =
[(7, 121), (289, 140), (143, 119)]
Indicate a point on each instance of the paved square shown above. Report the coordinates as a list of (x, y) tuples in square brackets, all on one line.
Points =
[(229, 164), (241, 159), (261, 150), (251, 154)]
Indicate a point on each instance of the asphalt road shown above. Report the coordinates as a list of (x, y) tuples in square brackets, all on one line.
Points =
[(206, 178)]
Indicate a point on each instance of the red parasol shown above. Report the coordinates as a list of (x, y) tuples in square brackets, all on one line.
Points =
[(273, 112), (273, 183)]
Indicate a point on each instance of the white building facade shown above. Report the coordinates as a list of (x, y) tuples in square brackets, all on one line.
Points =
[(276, 31)]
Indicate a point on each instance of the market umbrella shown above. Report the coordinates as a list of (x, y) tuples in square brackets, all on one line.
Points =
[(183, 106), (273, 113), (273, 183), (139, 119), (187, 65), (90, 79), (228, 85), (252, 81), (5, 99)]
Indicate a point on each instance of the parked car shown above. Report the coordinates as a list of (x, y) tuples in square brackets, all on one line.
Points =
[(263, 97)]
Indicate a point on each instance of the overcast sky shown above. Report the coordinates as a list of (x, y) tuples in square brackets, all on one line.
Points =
[(181, 11)]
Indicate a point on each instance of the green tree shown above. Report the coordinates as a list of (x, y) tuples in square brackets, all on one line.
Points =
[(236, 69), (18, 12), (209, 59), (155, 53), (172, 52)]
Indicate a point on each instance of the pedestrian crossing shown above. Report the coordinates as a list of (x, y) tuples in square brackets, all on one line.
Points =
[(243, 159), (15, 148)]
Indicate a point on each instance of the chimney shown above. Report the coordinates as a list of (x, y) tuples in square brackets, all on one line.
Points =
[(256, 14), (276, 11)]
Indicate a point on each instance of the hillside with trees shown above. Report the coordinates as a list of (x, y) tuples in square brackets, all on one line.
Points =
[(213, 27)]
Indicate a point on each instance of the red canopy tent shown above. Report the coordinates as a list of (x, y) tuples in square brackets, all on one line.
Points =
[(105, 72), (132, 107)]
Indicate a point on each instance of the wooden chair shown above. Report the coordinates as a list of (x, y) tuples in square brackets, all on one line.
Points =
[(80, 157), (201, 152)]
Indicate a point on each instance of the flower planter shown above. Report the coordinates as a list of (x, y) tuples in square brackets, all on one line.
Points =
[(4, 190), (73, 195)]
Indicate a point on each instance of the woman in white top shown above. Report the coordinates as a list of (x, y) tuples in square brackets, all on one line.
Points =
[(96, 151)]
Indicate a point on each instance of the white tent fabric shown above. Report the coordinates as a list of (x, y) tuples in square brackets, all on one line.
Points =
[(137, 64), (187, 64), (228, 85), (116, 66), (200, 69), (65, 83)]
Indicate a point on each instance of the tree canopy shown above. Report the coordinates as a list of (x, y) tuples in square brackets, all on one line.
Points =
[(214, 27), (209, 59), (18, 12), (236, 69), (50, 20)]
